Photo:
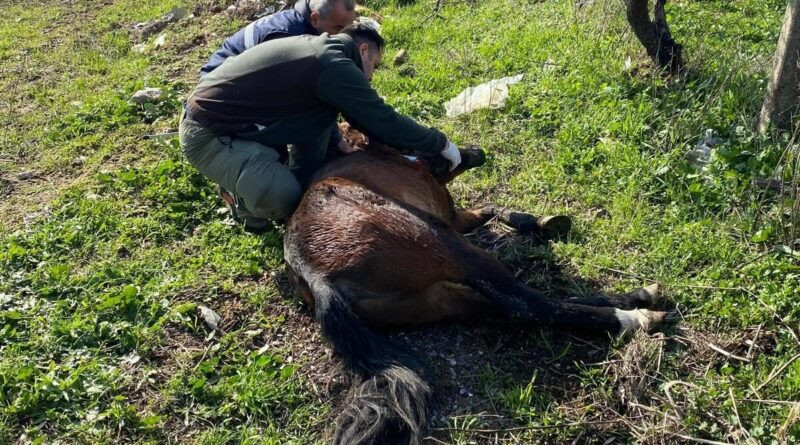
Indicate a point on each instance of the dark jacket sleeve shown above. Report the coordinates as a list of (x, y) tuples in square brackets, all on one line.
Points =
[(275, 26), (343, 86), (232, 46)]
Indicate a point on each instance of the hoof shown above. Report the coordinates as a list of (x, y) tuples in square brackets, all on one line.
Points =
[(644, 297), (640, 319), (546, 227), (554, 227), (472, 157)]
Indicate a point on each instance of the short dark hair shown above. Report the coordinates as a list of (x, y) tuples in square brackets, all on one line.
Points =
[(364, 33)]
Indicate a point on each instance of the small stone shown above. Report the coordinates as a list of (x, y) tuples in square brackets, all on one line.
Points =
[(452, 362), (177, 13), (140, 48), (92, 414), (131, 359), (146, 95), (24, 176), (407, 71), (161, 40), (266, 11), (363, 11), (600, 213), (549, 65), (401, 57), (210, 317)]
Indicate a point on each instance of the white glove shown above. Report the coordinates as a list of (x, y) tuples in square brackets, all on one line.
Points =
[(452, 154)]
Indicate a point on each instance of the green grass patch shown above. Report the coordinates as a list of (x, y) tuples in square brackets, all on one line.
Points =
[(101, 335)]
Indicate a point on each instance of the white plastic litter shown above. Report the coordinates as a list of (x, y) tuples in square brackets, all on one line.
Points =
[(700, 156), (492, 94)]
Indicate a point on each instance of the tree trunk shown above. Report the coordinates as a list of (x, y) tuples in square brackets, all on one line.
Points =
[(783, 90), (655, 35)]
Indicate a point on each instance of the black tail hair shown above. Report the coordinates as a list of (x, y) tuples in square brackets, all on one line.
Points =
[(389, 404)]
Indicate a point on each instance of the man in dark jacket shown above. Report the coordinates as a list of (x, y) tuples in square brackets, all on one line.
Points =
[(307, 17), (291, 91)]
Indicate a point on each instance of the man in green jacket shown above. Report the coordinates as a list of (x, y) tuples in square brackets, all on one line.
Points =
[(290, 92)]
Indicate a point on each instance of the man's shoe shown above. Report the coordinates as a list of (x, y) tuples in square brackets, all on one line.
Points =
[(256, 225), (230, 202), (252, 224)]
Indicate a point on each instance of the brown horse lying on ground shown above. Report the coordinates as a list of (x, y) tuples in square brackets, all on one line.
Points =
[(376, 242)]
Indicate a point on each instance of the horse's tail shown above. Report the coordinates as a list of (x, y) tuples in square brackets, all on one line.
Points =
[(389, 404)]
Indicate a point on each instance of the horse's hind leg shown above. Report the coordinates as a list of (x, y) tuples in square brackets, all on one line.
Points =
[(643, 297), (439, 302), (454, 260), (521, 303)]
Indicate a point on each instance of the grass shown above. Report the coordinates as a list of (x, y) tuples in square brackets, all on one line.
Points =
[(109, 241)]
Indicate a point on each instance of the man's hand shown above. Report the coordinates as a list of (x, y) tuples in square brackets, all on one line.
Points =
[(452, 154), (345, 148)]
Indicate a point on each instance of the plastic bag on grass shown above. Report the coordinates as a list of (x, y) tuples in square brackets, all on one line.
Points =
[(492, 94)]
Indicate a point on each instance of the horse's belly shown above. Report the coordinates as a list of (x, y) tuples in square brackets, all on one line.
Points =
[(442, 301)]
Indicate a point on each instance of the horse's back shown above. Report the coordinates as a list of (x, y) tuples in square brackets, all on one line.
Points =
[(389, 174)]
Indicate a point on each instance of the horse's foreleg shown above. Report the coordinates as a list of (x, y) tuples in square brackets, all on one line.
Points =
[(471, 157), (545, 227), (465, 221)]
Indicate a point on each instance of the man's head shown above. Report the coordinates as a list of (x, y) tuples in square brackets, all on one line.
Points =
[(370, 46), (331, 15)]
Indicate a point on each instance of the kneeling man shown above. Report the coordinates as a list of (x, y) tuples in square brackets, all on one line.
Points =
[(290, 92)]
